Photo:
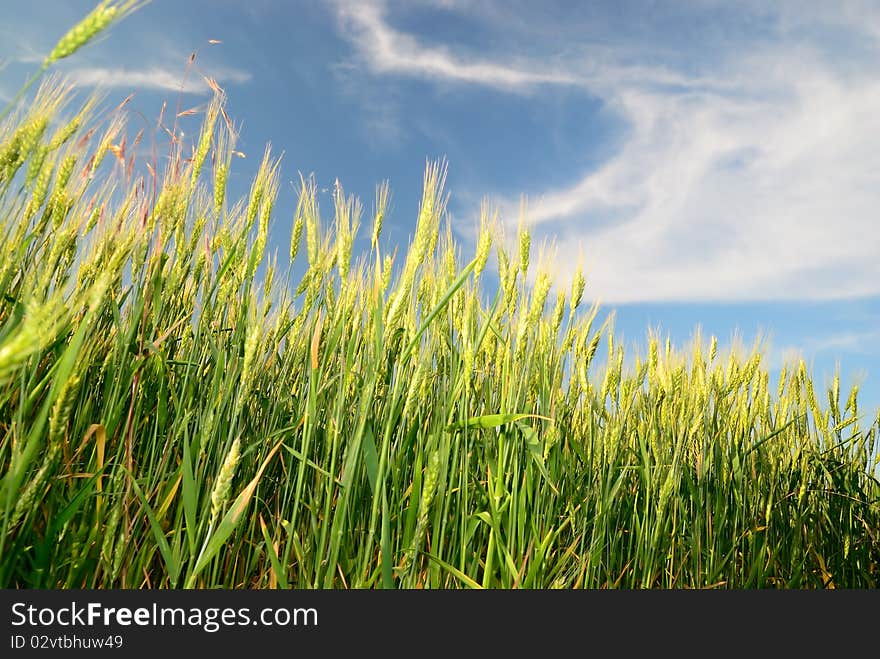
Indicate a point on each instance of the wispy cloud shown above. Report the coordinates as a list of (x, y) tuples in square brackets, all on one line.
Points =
[(155, 78), (387, 50), (867, 342), (767, 194), (751, 177), (856, 345)]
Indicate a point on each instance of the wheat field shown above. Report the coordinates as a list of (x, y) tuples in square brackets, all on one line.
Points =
[(177, 410)]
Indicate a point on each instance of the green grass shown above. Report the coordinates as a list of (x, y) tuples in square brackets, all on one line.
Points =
[(177, 411)]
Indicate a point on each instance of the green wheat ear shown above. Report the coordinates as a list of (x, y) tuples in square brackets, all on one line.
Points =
[(98, 20), (105, 14), (220, 492)]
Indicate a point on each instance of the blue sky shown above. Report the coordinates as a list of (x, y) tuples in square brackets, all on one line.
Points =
[(708, 163)]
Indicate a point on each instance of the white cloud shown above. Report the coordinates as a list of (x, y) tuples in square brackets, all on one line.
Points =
[(857, 17), (862, 342), (754, 180), (156, 78), (387, 50), (858, 344), (768, 197)]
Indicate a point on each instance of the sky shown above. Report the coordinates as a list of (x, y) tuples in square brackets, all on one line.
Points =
[(708, 163)]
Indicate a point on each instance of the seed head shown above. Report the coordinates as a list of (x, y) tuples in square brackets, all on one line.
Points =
[(484, 245), (98, 20), (577, 290), (205, 140), (525, 242), (387, 269), (558, 310), (296, 236), (41, 187), (220, 493), (382, 197)]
